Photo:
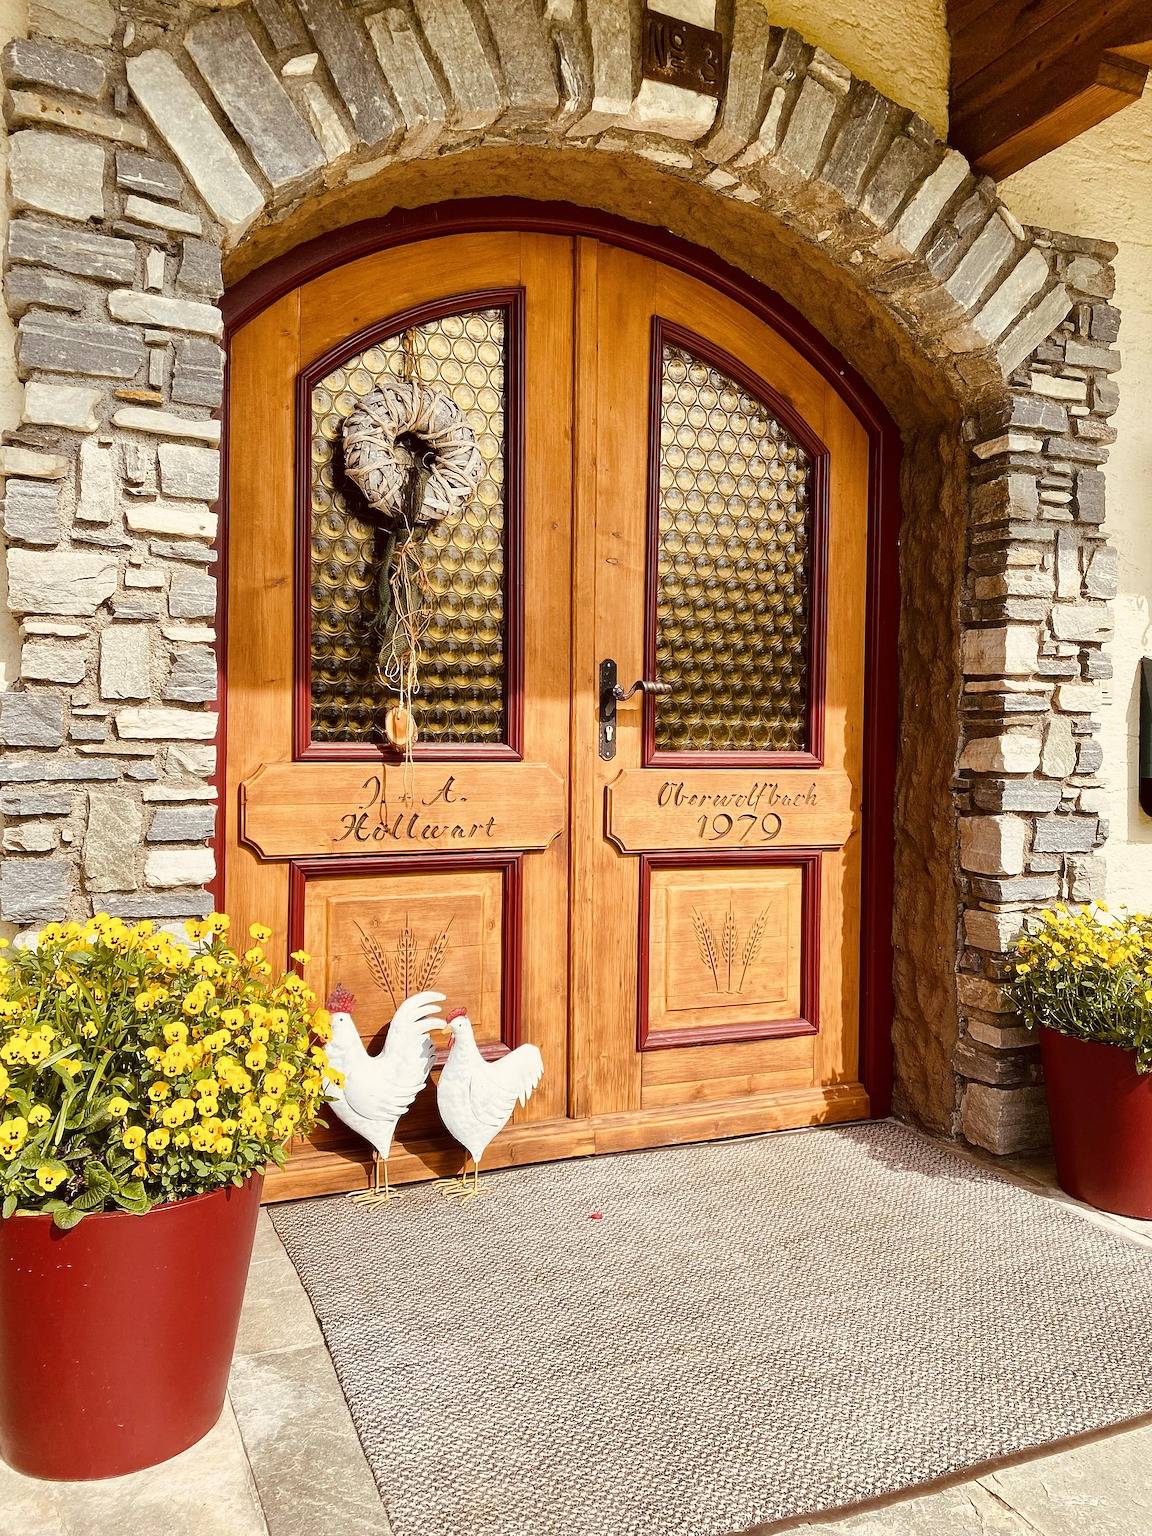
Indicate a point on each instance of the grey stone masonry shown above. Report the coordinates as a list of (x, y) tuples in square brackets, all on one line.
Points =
[(151, 140), (1037, 622)]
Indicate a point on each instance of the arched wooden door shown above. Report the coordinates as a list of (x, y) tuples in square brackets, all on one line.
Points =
[(662, 892)]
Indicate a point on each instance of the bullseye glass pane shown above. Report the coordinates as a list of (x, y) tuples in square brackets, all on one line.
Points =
[(734, 535), (461, 697)]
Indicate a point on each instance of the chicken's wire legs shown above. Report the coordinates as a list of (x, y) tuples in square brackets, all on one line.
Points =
[(460, 1188), (376, 1195)]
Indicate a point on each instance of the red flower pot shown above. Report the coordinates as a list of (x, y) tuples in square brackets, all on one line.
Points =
[(1101, 1113), (116, 1336)]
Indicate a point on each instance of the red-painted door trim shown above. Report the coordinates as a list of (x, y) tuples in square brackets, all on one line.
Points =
[(268, 283)]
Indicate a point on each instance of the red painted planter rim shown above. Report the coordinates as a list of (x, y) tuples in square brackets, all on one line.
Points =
[(156, 1210), (1108, 1045)]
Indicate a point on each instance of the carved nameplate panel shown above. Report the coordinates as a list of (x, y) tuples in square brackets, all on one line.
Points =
[(650, 811), (298, 810)]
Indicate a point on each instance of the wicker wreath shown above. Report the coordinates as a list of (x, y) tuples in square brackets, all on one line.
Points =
[(378, 463)]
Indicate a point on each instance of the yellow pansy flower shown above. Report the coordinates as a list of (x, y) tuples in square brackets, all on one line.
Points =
[(133, 1137), (13, 1135), (176, 1060), (39, 1114), (49, 1178), (158, 1139), (118, 1107), (260, 932)]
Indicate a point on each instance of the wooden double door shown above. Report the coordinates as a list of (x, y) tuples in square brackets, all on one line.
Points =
[(661, 891)]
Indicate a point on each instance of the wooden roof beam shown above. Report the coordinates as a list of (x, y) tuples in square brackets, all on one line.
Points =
[(1030, 75)]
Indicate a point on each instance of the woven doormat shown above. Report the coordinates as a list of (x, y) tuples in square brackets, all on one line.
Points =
[(690, 1341)]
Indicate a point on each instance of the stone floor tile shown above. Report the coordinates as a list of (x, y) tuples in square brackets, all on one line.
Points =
[(968, 1510), (302, 1445), (277, 1313), (28, 1506), (1099, 1489), (267, 1242), (205, 1491)]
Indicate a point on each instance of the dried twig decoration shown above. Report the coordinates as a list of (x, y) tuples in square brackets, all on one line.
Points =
[(408, 424)]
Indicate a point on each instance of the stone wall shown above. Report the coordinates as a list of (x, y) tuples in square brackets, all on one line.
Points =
[(1102, 183), (149, 141), (1036, 618)]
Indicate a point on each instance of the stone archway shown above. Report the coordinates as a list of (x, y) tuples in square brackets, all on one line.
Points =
[(237, 133)]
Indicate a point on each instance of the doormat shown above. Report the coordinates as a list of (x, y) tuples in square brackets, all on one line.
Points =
[(687, 1342)]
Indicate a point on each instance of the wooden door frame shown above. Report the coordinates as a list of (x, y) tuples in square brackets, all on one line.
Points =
[(313, 258)]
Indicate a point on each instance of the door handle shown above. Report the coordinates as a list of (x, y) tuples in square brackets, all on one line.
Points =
[(611, 694)]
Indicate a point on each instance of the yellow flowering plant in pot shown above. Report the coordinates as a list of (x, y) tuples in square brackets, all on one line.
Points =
[(135, 1069), (1083, 978), (145, 1085)]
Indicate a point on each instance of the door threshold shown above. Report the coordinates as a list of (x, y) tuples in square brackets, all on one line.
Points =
[(343, 1169)]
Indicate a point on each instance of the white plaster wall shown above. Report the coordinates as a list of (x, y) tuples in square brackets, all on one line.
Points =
[(13, 23), (1101, 185)]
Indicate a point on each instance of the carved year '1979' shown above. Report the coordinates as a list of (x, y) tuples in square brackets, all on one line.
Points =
[(739, 829)]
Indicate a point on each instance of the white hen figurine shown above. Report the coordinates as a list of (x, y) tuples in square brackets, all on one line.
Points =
[(378, 1090), (476, 1097)]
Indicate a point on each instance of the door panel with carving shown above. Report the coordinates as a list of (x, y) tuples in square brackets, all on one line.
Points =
[(723, 879), (453, 871)]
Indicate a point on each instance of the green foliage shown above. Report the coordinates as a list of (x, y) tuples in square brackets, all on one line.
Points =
[(1088, 973), (135, 1070)]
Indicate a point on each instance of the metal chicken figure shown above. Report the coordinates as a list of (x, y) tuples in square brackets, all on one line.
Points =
[(476, 1097), (378, 1090)]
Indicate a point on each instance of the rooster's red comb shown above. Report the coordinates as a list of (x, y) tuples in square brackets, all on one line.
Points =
[(340, 1000), (456, 1013)]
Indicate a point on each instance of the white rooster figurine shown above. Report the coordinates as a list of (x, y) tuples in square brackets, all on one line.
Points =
[(476, 1097), (378, 1090)]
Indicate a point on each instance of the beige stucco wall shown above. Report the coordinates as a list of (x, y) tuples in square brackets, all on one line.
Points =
[(1101, 186), (899, 46)]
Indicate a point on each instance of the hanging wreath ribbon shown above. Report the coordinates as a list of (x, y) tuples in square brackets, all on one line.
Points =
[(405, 423)]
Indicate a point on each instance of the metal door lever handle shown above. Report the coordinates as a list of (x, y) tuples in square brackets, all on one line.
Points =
[(611, 694), (642, 685)]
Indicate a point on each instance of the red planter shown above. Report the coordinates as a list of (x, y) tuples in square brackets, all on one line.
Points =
[(116, 1337), (1101, 1113)]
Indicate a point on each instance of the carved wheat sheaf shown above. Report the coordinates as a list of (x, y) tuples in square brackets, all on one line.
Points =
[(406, 972), (721, 957)]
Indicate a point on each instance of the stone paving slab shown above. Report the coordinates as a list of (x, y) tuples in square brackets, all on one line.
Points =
[(206, 1491), (1101, 1488), (310, 1472)]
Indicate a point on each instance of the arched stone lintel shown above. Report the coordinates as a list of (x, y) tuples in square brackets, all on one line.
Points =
[(794, 133)]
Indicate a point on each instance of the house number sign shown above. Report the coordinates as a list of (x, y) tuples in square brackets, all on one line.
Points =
[(295, 810), (680, 53), (651, 811)]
